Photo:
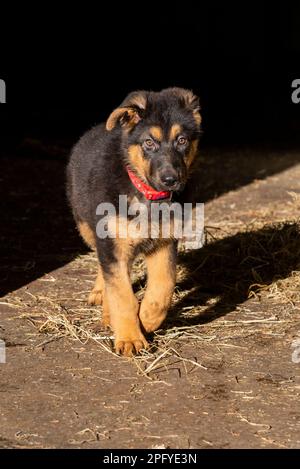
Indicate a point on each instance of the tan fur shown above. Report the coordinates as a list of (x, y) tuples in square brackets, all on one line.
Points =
[(122, 303), (161, 269), (197, 117), (192, 153), (132, 118), (138, 100), (189, 97), (120, 306), (156, 133), (175, 131), (137, 160), (96, 295), (87, 234)]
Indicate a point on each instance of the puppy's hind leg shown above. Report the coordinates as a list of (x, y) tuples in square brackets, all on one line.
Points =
[(96, 295)]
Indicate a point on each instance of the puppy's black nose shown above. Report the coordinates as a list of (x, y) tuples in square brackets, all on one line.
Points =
[(169, 180)]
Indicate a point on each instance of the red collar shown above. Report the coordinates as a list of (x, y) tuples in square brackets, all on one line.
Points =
[(147, 191)]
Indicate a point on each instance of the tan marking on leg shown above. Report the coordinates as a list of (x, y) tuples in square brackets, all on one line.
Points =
[(87, 234), (96, 295), (105, 322), (175, 131), (156, 133), (137, 161), (122, 304), (161, 267)]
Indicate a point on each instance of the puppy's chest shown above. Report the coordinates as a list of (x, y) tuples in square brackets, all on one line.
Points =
[(138, 220)]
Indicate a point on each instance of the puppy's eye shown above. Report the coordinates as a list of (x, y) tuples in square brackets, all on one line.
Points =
[(149, 143), (181, 140)]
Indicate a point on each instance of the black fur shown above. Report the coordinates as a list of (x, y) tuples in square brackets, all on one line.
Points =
[(97, 168)]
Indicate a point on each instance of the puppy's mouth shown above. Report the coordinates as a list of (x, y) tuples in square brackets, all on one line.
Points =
[(175, 186)]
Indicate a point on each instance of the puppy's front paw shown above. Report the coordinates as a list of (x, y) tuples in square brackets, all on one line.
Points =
[(130, 347), (105, 321), (151, 316), (95, 297)]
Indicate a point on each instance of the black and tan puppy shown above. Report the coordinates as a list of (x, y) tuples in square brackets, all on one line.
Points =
[(144, 151)]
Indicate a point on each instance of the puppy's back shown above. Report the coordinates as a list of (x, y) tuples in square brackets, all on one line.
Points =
[(85, 156)]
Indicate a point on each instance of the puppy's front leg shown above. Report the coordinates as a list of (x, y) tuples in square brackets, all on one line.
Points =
[(161, 268), (123, 307)]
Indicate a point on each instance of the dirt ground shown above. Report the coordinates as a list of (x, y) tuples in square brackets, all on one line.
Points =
[(223, 371)]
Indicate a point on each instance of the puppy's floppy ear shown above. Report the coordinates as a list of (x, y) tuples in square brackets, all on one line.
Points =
[(130, 111), (191, 101), (126, 116)]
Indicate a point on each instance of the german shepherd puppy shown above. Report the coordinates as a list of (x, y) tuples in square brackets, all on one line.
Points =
[(145, 151)]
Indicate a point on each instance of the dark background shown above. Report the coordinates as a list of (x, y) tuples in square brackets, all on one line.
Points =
[(66, 70)]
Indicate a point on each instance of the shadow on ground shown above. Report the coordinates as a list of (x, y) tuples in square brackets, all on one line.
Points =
[(231, 268), (37, 233)]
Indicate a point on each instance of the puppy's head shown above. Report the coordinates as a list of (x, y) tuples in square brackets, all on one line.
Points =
[(160, 135)]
